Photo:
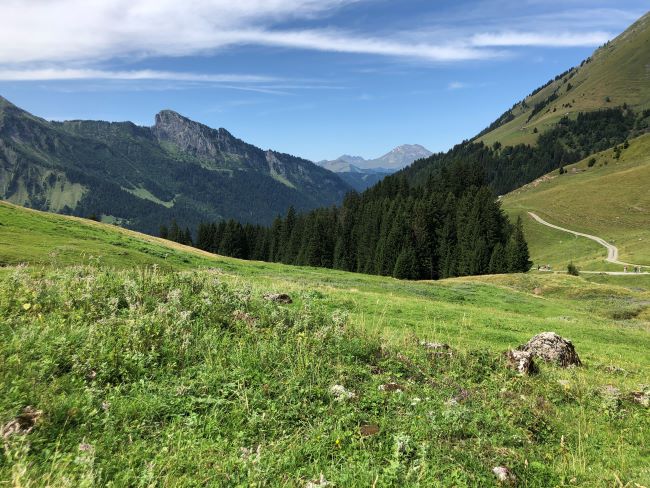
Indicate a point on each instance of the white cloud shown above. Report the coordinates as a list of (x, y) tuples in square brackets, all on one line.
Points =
[(82, 33), (141, 75), (456, 85), (547, 39)]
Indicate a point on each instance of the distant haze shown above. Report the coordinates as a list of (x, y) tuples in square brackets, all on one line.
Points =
[(390, 162)]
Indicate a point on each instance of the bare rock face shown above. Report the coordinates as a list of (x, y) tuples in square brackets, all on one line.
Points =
[(552, 348), (522, 361)]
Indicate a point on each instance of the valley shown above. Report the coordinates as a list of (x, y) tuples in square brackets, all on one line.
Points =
[(179, 307)]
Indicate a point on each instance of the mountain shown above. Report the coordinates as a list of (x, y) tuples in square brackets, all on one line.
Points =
[(616, 74), (363, 173), (590, 108), (390, 162), (142, 177)]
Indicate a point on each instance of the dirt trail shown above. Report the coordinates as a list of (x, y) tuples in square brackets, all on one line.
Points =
[(612, 250)]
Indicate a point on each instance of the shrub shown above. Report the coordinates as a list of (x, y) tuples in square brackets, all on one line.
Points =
[(591, 162), (573, 270)]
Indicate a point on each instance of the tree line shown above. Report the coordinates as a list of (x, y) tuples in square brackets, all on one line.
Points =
[(451, 226)]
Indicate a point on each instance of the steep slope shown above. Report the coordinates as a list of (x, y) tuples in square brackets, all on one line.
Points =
[(610, 199), (144, 176), (616, 74)]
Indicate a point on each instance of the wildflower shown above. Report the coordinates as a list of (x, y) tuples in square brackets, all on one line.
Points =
[(341, 394), (27, 306)]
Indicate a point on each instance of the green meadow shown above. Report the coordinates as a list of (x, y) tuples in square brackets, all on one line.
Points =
[(153, 364)]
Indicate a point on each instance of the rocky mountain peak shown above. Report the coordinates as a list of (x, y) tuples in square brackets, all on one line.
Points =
[(191, 136)]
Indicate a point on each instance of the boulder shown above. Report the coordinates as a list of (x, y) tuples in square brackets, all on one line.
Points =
[(550, 347), (522, 361)]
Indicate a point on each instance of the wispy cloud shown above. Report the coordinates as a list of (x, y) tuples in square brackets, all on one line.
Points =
[(94, 74), (546, 39), (84, 33), (456, 85)]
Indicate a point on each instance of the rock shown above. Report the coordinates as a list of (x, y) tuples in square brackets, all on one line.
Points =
[(522, 361), (641, 397), (504, 475), (610, 391), (537, 291), (278, 297), (368, 430), (320, 483), (550, 347), (341, 394), (244, 317), (437, 348), (22, 424), (391, 387), (615, 369)]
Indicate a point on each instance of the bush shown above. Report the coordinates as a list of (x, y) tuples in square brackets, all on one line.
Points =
[(573, 270), (591, 162)]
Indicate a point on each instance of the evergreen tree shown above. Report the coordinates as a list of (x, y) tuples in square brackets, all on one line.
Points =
[(498, 260), (517, 255), (406, 266)]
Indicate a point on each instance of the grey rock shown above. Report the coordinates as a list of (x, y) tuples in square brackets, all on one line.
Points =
[(278, 298), (522, 361), (552, 348)]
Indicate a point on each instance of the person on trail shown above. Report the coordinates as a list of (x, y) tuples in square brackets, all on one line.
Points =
[(624, 269)]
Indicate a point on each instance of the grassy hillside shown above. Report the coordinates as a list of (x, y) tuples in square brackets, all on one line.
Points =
[(616, 74), (172, 376), (610, 199)]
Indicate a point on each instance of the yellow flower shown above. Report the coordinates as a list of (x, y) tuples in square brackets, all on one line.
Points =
[(27, 306)]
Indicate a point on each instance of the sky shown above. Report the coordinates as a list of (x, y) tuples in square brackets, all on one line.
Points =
[(313, 78)]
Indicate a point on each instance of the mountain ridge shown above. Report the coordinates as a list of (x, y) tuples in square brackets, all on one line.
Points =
[(616, 74), (394, 160), (143, 177), (363, 173)]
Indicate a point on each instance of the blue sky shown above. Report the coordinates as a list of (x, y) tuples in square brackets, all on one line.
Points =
[(314, 78)]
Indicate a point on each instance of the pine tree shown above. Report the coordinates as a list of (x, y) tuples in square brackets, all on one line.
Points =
[(174, 231), (164, 232), (406, 266), (517, 255), (498, 260)]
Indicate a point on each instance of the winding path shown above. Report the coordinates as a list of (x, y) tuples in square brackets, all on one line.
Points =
[(612, 250)]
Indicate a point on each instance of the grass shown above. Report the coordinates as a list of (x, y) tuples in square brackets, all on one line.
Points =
[(173, 375), (610, 200), (616, 75)]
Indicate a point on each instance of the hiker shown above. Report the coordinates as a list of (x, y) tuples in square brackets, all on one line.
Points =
[(624, 269)]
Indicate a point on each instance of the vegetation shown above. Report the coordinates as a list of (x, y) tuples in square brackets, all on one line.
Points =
[(608, 198), (571, 140), (143, 177), (160, 377), (614, 75), (572, 269), (452, 226)]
